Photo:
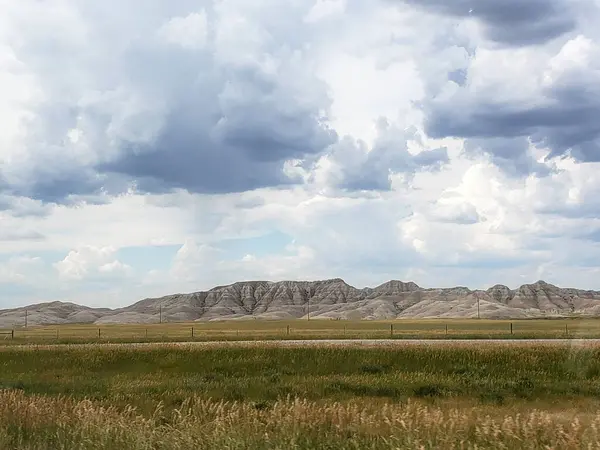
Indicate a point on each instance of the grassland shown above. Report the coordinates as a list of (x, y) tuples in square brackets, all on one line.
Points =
[(303, 329), (264, 396)]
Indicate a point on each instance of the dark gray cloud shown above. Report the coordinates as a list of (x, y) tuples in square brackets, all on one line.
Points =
[(220, 118), (53, 189), (510, 154), (567, 123), (216, 142), (510, 22), (560, 116), (359, 169), (431, 159)]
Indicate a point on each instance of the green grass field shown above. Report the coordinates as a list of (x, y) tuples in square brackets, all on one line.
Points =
[(303, 329), (263, 396)]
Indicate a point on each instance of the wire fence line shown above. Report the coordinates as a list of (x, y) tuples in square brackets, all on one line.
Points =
[(8, 334), (231, 330)]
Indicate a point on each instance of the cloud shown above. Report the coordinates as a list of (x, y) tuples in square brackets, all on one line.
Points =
[(193, 262), (352, 166), (19, 269), (293, 264), (89, 262), (453, 209), (325, 8), (20, 235), (22, 206), (164, 102), (571, 193), (510, 22), (190, 32), (553, 107), (513, 155)]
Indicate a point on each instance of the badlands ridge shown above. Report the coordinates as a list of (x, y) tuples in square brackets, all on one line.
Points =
[(328, 299)]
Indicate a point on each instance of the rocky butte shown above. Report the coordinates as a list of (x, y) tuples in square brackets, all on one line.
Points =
[(328, 299)]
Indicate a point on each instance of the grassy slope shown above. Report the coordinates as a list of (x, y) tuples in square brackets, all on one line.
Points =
[(374, 398)]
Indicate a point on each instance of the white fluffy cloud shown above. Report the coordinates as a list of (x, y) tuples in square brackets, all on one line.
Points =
[(190, 32), (193, 262), (88, 261), (325, 8)]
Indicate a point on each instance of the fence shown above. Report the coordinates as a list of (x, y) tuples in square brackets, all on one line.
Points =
[(8, 334), (314, 329)]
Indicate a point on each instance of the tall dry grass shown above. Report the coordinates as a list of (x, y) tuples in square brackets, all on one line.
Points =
[(39, 422)]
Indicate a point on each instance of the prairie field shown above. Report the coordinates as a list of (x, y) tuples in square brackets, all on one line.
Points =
[(179, 396), (304, 329)]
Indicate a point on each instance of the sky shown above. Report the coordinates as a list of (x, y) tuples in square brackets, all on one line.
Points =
[(151, 147)]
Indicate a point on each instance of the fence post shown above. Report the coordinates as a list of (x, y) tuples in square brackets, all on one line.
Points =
[(567, 329), (288, 330), (344, 330), (192, 331), (98, 333), (391, 330), (57, 333), (146, 333), (12, 334), (446, 329), (511, 330)]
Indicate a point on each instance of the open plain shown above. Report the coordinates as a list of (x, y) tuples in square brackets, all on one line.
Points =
[(315, 382), (256, 395)]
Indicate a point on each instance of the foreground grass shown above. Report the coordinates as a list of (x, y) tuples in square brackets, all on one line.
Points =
[(456, 396), (41, 423)]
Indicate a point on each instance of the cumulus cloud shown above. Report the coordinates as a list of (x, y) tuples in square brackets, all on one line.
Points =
[(88, 262), (190, 32), (513, 155), (192, 261), (352, 165), (325, 8), (552, 107), (161, 102), (454, 209), (510, 22), (23, 206)]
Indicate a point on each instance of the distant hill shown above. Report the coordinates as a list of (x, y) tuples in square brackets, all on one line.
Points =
[(328, 299)]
